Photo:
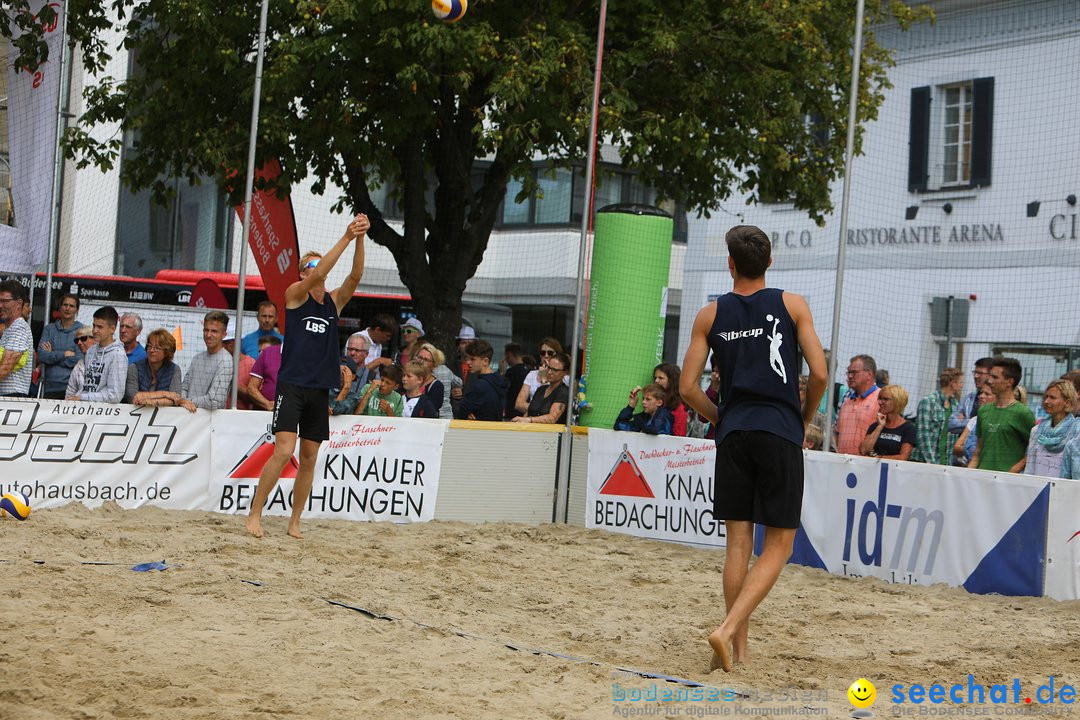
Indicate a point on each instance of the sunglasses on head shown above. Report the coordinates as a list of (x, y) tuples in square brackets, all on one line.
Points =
[(311, 263)]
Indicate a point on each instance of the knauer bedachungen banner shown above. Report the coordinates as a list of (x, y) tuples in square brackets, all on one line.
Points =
[(371, 468)]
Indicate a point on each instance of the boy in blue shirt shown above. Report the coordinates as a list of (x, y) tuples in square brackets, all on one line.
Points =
[(656, 420)]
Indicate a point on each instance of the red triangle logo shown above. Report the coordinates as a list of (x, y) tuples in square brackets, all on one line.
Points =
[(251, 465), (626, 478)]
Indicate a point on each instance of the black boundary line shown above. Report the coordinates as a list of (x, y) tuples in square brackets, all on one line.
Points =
[(372, 615)]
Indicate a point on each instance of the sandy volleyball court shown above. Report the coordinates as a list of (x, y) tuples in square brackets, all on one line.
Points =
[(200, 640)]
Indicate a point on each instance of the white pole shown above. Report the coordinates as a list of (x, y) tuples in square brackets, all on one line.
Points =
[(58, 175), (562, 494), (841, 252), (249, 184)]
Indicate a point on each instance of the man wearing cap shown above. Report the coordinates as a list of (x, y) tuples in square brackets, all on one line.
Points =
[(412, 335), (465, 336), (378, 334), (244, 400), (206, 383)]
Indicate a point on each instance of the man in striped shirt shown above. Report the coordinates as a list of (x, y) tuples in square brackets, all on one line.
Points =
[(16, 341)]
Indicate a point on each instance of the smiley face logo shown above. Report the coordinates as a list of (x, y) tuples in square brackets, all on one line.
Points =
[(862, 693)]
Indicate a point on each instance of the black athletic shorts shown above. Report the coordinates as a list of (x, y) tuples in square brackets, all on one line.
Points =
[(305, 408), (758, 477)]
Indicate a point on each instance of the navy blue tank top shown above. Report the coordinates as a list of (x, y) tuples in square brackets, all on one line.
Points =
[(754, 341), (309, 352)]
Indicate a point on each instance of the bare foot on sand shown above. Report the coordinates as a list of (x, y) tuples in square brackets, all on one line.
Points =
[(294, 531), (721, 651), (254, 526)]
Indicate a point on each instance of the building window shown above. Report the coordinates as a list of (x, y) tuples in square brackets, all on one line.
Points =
[(951, 135), (559, 198), (191, 231), (956, 134)]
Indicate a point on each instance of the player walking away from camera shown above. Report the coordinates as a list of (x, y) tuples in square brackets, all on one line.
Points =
[(759, 425), (309, 368)]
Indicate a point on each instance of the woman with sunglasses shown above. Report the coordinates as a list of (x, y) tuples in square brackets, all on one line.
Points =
[(309, 369), (549, 403), (549, 347), (156, 379), (412, 336)]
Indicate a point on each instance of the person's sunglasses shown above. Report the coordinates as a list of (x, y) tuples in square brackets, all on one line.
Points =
[(311, 263), (82, 339), (547, 353)]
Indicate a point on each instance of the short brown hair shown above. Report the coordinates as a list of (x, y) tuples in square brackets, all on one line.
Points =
[(164, 340), (654, 390), (480, 349), (218, 317), (948, 375), (1010, 368), (750, 248)]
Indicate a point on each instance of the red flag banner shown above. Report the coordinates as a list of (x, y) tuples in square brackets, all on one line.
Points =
[(273, 238), (208, 294)]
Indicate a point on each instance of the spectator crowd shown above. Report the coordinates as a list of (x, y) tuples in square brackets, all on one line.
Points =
[(989, 427)]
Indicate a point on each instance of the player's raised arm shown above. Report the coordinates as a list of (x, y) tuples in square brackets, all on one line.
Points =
[(316, 269), (359, 227)]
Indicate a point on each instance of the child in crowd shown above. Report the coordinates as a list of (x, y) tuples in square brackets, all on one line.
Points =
[(814, 438), (417, 403), (656, 420), (380, 397)]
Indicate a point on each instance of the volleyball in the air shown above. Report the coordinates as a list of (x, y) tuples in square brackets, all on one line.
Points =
[(15, 504), (449, 10)]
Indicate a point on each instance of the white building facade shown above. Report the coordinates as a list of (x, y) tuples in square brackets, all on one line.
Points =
[(966, 189)]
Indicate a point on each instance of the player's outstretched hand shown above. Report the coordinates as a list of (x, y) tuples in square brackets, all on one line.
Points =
[(359, 226)]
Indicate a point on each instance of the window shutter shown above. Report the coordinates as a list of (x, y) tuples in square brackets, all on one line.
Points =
[(982, 129), (919, 139)]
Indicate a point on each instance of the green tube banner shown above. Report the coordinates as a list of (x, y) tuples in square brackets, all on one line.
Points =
[(627, 306)]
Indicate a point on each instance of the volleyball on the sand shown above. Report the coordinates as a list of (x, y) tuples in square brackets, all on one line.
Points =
[(15, 504), (449, 10)]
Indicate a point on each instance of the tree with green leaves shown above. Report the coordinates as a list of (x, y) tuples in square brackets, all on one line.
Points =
[(702, 98)]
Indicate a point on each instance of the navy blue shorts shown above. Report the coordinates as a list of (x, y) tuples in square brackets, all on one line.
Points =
[(306, 409), (759, 478)]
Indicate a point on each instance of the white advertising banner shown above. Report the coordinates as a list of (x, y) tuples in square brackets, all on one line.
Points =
[(898, 521), (371, 468), (32, 115), (56, 452), (651, 486), (922, 524), (1063, 541)]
